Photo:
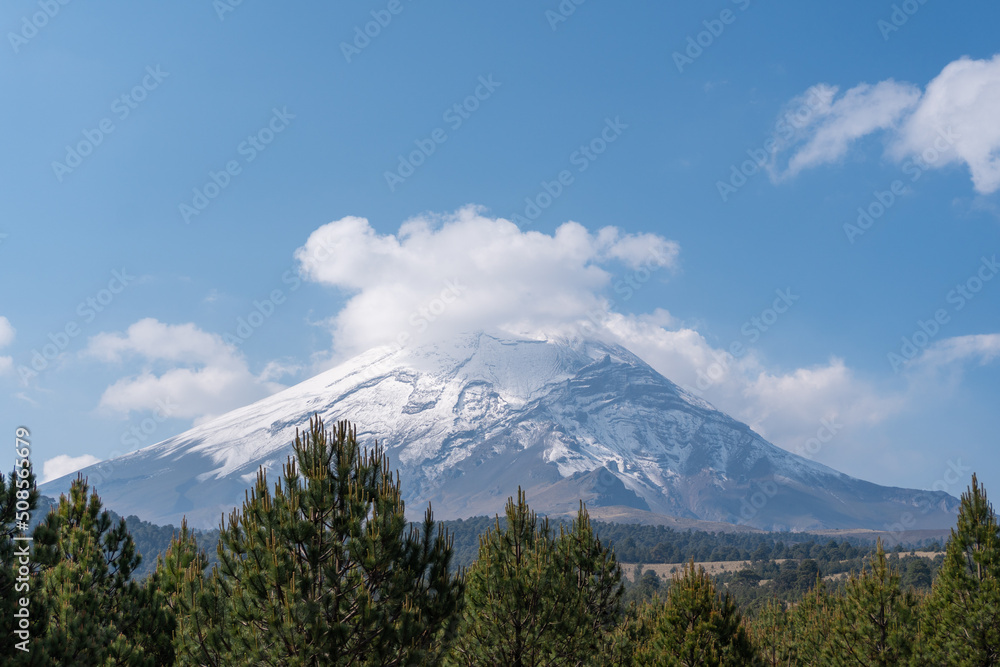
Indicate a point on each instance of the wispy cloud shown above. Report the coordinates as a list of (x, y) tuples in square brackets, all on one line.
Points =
[(837, 122), (980, 348), (962, 104)]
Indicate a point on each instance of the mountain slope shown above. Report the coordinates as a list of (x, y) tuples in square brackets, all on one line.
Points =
[(468, 422)]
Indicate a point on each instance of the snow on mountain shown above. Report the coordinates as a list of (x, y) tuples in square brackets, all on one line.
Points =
[(468, 422)]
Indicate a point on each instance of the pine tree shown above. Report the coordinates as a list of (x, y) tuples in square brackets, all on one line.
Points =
[(634, 629), (917, 574), (94, 612), (535, 599), (696, 626), (807, 575), (323, 569), (594, 588), (876, 620), (809, 641), (962, 614), (645, 586), (172, 567), (166, 588), (203, 635), (772, 633)]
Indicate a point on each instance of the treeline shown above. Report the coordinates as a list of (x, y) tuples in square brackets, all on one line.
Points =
[(659, 544), (632, 543), (322, 568), (151, 540)]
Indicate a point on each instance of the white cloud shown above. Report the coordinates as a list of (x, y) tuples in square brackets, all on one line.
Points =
[(963, 103), (152, 339), (952, 121), (527, 282), (206, 376), (447, 274), (833, 124), (788, 408), (64, 464), (983, 348), (7, 333)]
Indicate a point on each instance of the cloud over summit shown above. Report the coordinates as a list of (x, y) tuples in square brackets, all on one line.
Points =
[(440, 275)]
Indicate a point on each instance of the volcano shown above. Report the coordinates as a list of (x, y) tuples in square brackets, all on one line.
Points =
[(469, 421)]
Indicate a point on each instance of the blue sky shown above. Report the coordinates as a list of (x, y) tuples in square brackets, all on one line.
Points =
[(176, 163)]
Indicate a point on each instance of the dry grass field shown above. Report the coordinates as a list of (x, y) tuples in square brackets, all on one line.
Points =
[(667, 570)]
